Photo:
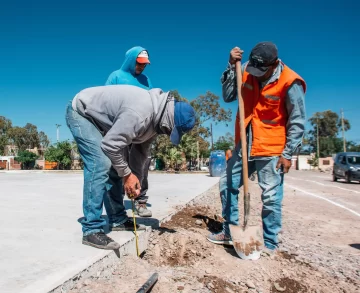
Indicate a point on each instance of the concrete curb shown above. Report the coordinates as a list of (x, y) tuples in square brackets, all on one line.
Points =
[(103, 263), (40, 171), (81, 171)]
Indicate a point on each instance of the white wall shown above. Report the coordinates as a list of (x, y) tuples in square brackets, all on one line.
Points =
[(303, 163)]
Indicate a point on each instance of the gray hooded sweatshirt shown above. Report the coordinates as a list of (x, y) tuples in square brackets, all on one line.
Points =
[(125, 115)]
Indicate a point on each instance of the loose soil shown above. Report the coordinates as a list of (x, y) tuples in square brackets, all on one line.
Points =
[(186, 262)]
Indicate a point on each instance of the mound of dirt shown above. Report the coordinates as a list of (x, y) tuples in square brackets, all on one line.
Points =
[(287, 285), (203, 217), (187, 262), (215, 284), (174, 249)]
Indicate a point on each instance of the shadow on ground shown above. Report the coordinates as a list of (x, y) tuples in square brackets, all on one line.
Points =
[(355, 245), (213, 225), (154, 223)]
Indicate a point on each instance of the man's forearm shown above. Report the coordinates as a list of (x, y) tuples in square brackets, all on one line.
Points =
[(228, 81), (295, 105)]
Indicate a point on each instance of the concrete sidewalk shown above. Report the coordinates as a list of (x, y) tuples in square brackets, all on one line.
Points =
[(40, 247)]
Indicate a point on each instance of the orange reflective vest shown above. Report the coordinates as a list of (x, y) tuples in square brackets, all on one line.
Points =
[(265, 109)]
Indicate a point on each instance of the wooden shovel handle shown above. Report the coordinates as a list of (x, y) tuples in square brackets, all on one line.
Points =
[(242, 129)]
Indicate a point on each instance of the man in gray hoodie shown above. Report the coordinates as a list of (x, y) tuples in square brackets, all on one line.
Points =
[(104, 121)]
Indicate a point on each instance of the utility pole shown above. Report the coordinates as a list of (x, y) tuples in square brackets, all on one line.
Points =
[(212, 138), (198, 156), (317, 138), (343, 129), (57, 132)]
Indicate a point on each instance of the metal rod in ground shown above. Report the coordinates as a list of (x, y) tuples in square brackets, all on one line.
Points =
[(149, 283), (136, 236)]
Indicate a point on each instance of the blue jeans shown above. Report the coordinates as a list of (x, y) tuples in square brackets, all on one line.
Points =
[(102, 185), (271, 184)]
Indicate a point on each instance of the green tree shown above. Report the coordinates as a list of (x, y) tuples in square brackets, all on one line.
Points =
[(32, 136), (43, 139), (172, 158), (3, 143), (22, 137), (177, 96), (200, 133), (188, 146), (17, 136), (160, 146), (208, 110), (27, 159), (60, 153), (75, 154), (328, 124), (164, 150), (351, 146), (5, 125), (225, 143)]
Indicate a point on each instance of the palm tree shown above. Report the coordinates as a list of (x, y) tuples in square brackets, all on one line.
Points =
[(172, 158), (188, 147)]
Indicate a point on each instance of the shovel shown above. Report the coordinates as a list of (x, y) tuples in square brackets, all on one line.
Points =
[(247, 240)]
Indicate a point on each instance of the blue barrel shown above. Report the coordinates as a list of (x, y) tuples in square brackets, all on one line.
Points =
[(217, 164)]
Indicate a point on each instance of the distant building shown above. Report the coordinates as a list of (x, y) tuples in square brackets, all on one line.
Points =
[(9, 163), (326, 163), (11, 150), (40, 152)]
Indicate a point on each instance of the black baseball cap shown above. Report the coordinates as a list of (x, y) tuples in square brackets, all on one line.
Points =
[(262, 56)]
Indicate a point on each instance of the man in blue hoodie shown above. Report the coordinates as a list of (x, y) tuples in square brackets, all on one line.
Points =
[(131, 73), (131, 70)]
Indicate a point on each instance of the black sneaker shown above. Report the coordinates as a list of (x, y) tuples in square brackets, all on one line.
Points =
[(129, 226), (100, 240)]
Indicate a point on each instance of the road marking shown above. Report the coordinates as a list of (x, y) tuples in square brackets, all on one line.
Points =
[(329, 185), (324, 198)]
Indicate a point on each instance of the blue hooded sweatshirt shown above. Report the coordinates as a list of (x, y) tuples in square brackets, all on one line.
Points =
[(126, 74)]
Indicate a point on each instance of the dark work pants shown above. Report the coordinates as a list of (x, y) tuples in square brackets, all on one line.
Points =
[(143, 181)]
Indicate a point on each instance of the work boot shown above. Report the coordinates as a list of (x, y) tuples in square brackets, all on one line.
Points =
[(269, 252), (142, 210), (128, 226), (220, 238), (100, 240)]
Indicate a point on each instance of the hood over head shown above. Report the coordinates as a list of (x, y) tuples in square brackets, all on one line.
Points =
[(173, 118), (163, 104), (130, 59)]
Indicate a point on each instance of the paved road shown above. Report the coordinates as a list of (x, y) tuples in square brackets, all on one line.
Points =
[(343, 195), (323, 217), (40, 244)]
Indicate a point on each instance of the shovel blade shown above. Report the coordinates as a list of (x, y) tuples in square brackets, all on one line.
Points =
[(248, 242)]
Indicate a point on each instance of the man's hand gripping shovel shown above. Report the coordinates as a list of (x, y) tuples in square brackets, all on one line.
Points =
[(247, 240)]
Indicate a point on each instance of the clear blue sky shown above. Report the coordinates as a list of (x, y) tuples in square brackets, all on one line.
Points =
[(50, 50)]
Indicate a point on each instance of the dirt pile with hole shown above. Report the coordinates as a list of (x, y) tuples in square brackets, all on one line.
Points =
[(186, 262)]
